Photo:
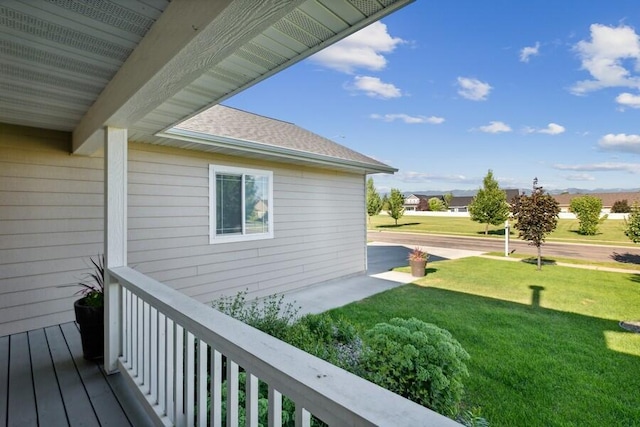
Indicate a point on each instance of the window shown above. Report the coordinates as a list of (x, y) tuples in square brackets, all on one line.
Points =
[(241, 205)]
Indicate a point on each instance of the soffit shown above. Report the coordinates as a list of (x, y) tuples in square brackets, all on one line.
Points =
[(58, 56)]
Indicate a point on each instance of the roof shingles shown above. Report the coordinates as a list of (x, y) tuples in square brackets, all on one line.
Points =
[(227, 122)]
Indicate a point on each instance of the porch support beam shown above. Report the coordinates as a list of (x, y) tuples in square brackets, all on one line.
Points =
[(115, 238), (189, 38)]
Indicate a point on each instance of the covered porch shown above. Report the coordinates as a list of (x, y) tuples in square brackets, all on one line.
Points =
[(46, 381), (100, 75)]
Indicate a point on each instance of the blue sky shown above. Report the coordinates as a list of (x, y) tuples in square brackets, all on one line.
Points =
[(446, 90)]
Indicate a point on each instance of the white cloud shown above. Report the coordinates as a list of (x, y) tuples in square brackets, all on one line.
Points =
[(628, 100), (529, 51), (580, 177), (602, 167), (420, 177), (495, 127), (604, 58), (408, 119), (552, 129), (361, 50), (375, 88), (620, 142), (473, 89)]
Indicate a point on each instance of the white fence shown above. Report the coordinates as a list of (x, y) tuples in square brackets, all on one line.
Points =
[(563, 215), (173, 349)]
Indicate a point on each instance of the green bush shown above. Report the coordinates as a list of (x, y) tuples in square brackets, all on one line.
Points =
[(271, 315), (632, 224), (417, 360), (587, 210), (621, 206), (335, 340)]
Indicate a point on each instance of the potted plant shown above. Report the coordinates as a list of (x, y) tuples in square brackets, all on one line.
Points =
[(90, 311), (418, 262)]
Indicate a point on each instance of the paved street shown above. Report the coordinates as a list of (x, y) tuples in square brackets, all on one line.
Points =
[(567, 250)]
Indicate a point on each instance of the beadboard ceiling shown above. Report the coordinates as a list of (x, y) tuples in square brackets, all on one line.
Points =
[(146, 65)]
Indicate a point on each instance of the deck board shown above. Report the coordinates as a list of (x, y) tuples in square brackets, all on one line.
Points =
[(46, 381), (50, 405), (97, 387), (22, 402), (4, 378)]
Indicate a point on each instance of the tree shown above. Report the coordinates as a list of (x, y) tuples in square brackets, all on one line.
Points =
[(385, 202), (423, 205), (632, 224), (621, 206), (587, 210), (396, 204), (374, 202), (447, 199), (536, 216), (489, 206), (436, 205)]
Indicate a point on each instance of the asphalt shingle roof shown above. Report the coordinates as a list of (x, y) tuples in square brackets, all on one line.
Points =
[(227, 122)]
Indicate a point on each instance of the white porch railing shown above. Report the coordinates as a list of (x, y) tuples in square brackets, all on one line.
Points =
[(171, 344)]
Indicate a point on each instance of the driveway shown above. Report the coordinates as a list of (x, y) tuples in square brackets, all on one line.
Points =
[(381, 257)]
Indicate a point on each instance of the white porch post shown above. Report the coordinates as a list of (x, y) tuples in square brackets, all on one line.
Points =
[(115, 239)]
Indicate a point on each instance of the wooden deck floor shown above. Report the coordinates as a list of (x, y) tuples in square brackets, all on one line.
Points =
[(45, 381)]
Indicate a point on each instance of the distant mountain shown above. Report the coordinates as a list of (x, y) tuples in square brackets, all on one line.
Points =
[(462, 193)]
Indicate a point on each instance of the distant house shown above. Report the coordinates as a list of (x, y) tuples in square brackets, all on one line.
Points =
[(460, 203), (608, 199), (420, 202)]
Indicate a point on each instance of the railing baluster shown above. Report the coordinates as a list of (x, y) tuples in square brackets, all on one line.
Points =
[(146, 330), (130, 326), (140, 340), (303, 417), (162, 361), (190, 364), (202, 383), (178, 374), (153, 354), (251, 395), (275, 407), (134, 338), (215, 388), (232, 393), (168, 374)]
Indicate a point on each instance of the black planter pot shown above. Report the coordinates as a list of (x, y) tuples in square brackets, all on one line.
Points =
[(91, 321)]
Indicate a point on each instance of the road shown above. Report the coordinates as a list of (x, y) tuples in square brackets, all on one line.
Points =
[(621, 254)]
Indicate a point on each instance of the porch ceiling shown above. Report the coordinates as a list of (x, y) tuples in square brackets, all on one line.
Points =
[(146, 65)]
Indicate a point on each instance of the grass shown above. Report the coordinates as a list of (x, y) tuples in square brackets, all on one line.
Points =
[(546, 348), (609, 232), (629, 264)]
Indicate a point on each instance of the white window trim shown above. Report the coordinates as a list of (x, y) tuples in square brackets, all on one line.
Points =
[(213, 238)]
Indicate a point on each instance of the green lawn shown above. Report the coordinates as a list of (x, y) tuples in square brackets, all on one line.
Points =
[(609, 232), (555, 359)]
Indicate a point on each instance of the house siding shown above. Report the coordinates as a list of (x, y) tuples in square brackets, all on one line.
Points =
[(51, 222)]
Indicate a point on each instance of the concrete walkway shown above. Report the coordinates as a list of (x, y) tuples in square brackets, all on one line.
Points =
[(382, 257)]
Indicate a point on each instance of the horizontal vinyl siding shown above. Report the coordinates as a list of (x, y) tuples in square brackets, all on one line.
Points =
[(51, 222), (318, 223)]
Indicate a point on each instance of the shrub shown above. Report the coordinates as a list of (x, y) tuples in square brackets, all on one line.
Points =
[(621, 206), (271, 315), (417, 360), (632, 224), (335, 340), (587, 210)]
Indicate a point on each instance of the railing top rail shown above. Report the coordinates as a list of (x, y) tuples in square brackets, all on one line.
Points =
[(332, 394)]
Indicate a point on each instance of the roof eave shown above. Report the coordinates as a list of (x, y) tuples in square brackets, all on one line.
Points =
[(252, 147)]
